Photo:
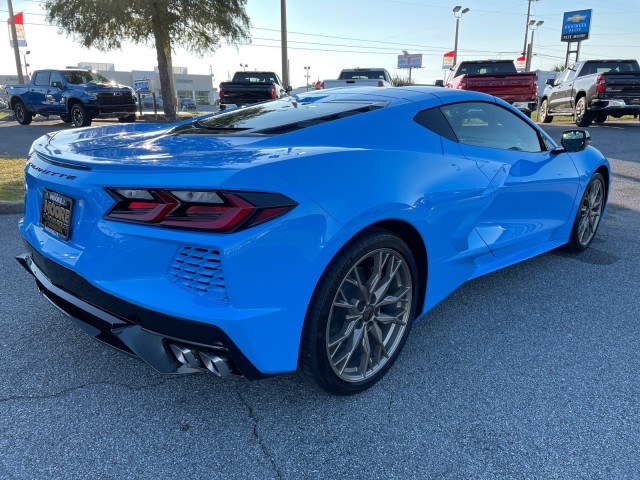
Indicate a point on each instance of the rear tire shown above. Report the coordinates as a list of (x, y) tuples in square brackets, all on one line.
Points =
[(79, 116), (360, 314), (582, 115), (543, 112), (588, 216), (128, 119), (23, 116)]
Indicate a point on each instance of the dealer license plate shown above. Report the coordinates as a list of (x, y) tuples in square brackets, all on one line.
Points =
[(55, 216)]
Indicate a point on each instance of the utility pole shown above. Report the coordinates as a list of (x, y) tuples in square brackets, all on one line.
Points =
[(283, 34), (14, 36), (526, 26)]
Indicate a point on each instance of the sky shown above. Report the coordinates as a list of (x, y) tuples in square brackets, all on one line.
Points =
[(329, 35)]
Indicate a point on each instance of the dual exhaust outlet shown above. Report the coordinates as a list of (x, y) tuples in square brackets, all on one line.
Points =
[(216, 363)]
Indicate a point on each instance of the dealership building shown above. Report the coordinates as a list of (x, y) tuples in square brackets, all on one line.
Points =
[(198, 87)]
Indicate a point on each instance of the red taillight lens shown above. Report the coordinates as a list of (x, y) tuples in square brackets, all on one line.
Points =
[(273, 92), (380, 83), (462, 84), (321, 86), (601, 83), (220, 92), (214, 211)]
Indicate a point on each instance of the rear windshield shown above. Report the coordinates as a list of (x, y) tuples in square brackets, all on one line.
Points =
[(284, 115), (485, 68), (362, 75), (254, 77), (609, 67)]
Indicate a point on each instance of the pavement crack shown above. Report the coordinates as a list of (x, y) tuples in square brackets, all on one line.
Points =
[(258, 437), (67, 391)]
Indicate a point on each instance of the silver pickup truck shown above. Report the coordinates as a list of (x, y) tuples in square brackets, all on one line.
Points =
[(360, 77)]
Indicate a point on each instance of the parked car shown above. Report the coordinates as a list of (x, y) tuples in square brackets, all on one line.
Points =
[(247, 88), (593, 89), (147, 102), (307, 233), (499, 78), (360, 77), (188, 104), (77, 96)]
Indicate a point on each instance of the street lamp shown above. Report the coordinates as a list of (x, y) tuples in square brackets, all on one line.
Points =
[(24, 56), (533, 26), (526, 26), (458, 11), (307, 75), (244, 66)]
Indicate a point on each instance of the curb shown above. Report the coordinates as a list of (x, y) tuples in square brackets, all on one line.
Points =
[(11, 207)]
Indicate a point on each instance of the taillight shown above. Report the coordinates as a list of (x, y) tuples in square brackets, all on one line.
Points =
[(321, 86), (220, 92), (380, 83), (601, 83), (273, 91), (213, 211), (462, 84)]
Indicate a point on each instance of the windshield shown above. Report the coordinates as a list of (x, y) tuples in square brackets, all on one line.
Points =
[(83, 76), (286, 114)]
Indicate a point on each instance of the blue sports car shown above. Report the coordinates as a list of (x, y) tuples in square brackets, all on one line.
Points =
[(302, 234)]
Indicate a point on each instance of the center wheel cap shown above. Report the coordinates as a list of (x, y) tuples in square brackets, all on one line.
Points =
[(367, 315)]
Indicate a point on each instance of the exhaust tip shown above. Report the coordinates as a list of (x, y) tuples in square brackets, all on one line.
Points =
[(185, 356), (216, 364)]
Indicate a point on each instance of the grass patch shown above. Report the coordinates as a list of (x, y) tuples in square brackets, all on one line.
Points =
[(11, 179)]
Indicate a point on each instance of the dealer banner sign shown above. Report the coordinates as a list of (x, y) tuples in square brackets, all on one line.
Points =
[(576, 26)]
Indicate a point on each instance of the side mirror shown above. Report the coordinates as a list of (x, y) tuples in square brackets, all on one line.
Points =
[(439, 83), (550, 81), (57, 84), (289, 88), (575, 140)]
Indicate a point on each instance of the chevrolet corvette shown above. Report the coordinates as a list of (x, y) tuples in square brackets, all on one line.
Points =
[(302, 234)]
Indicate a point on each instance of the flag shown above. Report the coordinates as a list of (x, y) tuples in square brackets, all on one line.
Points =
[(19, 21)]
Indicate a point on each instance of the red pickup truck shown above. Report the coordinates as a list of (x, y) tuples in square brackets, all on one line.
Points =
[(499, 78)]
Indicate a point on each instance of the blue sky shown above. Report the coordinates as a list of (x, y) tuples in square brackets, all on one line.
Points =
[(328, 35)]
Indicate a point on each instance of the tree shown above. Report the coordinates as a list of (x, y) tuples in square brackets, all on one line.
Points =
[(400, 80), (197, 25)]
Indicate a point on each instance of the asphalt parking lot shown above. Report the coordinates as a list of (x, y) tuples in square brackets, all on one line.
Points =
[(529, 372)]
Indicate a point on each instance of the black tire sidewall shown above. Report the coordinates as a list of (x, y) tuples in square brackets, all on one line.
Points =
[(314, 363), (86, 119), (574, 244)]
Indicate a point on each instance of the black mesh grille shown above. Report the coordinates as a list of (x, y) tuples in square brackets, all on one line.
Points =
[(115, 98), (200, 270)]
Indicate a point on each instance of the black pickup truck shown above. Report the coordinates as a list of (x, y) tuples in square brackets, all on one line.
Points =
[(591, 90), (246, 88)]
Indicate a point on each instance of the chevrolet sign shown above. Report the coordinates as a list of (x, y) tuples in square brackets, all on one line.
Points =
[(576, 26)]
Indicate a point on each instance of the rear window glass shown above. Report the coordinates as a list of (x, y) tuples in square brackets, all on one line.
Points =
[(485, 68), (362, 75), (254, 77), (281, 116), (609, 67)]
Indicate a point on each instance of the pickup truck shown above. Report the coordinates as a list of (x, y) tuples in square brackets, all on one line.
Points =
[(498, 78), (246, 88), (77, 96), (360, 77), (591, 90)]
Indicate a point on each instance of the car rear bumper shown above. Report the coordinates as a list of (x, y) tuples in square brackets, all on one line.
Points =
[(617, 105), (169, 344)]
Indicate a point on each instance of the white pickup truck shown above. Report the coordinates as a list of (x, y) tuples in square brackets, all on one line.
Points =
[(360, 77)]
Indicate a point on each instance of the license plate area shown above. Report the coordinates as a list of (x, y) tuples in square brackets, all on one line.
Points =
[(55, 216)]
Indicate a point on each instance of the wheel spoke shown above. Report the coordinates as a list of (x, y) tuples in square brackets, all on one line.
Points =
[(342, 302), (399, 296), (346, 334), (397, 319), (354, 342), (379, 262), (382, 288), (365, 355), (358, 283), (376, 333)]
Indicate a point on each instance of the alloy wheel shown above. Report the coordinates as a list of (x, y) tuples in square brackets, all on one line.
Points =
[(590, 212)]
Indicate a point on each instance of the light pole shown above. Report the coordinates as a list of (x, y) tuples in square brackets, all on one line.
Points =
[(526, 26), (307, 75), (533, 26), (458, 11), (244, 66), (26, 72)]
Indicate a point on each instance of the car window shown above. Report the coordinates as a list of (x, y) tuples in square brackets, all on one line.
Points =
[(41, 79), (488, 125), (56, 77)]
